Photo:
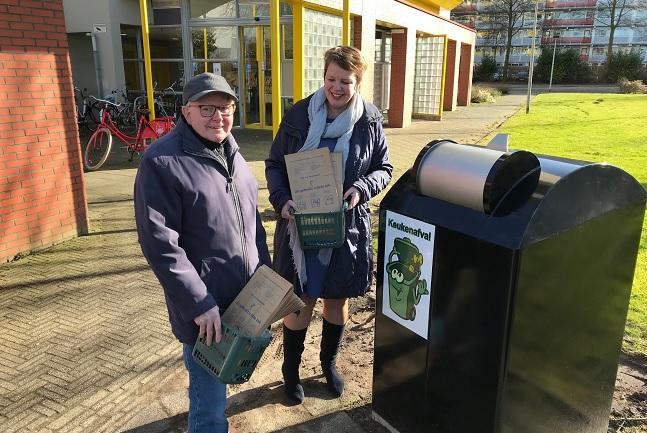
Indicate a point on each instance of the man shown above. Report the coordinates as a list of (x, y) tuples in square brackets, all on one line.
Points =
[(199, 229)]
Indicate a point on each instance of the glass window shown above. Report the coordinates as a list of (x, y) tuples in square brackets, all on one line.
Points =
[(166, 12), (250, 9), (383, 46), (213, 9), (286, 32), (336, 4), (166, 42), (321, 32), (221, 42), (130, 38), (229, 70), (260, 8), (166, 74), (285, 9), (427, 83), (132, 75)]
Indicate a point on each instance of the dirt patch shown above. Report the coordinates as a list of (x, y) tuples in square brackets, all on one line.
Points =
[(629, 408)]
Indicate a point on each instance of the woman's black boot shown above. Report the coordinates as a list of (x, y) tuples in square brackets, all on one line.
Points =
[(292, 350), (331, 337)]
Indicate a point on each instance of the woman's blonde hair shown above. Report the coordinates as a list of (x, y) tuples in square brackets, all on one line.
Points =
[(348, 58)]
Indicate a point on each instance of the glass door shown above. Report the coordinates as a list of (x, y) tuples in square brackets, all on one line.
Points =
[(257, 95)]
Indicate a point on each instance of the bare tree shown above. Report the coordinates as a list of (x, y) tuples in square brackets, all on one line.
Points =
[(613, 14), (506, 18)]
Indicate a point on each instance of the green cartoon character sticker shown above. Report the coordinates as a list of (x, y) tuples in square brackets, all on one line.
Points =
[(406, 288)]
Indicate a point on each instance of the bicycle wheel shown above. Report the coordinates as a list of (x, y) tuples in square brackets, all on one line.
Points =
[(92, 117), (97, 149), (128, 122)]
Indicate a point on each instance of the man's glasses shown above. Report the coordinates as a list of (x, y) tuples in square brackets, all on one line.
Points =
[(210, 110)]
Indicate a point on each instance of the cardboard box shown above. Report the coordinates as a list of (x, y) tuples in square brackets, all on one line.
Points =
[(266, 298), (313, 183)]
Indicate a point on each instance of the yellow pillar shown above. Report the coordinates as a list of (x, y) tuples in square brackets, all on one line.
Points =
[(345, 35), (260, 73), (275, 45), (442, 77), (204, 39), (147, 59), (297, 50)]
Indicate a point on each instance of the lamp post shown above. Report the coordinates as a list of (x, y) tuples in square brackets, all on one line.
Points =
[(552, 65), (532, 59)]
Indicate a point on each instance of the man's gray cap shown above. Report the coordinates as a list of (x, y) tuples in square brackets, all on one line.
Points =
[(203, 84)]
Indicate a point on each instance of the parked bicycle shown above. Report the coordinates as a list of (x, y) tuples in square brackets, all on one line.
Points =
[(87, 111), (171, 100), (168, 101), (100, 143), (122, 113)]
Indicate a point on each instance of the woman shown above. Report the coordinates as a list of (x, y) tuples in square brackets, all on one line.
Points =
[(337, 117)]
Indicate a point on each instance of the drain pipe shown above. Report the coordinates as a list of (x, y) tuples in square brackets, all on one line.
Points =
[(97, 67)]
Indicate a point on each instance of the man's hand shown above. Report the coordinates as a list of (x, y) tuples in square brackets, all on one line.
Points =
[(285, 212), (209, 322), (352, 196)]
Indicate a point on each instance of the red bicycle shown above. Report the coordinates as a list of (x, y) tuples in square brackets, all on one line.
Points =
[(100, 143)]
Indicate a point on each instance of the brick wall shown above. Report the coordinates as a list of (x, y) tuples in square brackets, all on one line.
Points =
[(357, 32), (450, 75), (466, 66), (42, 194), (398, 78)]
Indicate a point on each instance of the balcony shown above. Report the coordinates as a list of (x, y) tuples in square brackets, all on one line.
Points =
[(562, 4), (582, 22), (547, 40)]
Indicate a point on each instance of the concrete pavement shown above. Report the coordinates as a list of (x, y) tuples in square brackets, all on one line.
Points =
[(85, 343)]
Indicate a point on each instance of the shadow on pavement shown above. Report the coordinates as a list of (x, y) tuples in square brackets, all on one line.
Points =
[(174, 424), (272, 393), (86, 276), (357, 420), (110, 232), (123, 200)]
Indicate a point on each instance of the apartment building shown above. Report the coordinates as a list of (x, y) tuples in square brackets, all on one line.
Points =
[(582, 25)]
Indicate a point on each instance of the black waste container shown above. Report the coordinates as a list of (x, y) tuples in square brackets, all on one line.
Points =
[(503, 285)]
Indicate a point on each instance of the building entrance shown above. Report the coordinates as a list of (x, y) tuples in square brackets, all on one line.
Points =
[(257, 76)]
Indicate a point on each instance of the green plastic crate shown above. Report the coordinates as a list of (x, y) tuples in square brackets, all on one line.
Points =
[(234, 359), (322, 230)]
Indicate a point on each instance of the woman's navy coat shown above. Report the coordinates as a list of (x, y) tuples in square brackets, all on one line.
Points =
[(367, 169)]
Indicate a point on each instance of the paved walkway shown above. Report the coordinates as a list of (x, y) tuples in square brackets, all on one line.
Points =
[(85, 345)]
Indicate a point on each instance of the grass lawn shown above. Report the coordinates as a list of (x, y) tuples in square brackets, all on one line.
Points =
[(600, 128)]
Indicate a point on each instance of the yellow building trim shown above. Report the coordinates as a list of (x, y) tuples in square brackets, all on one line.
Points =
[(321, 8), (204, 38), (345, 39), (260, 74), (143, 14), (432, 6), (442, 78), (275, 49), (297, 51)]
